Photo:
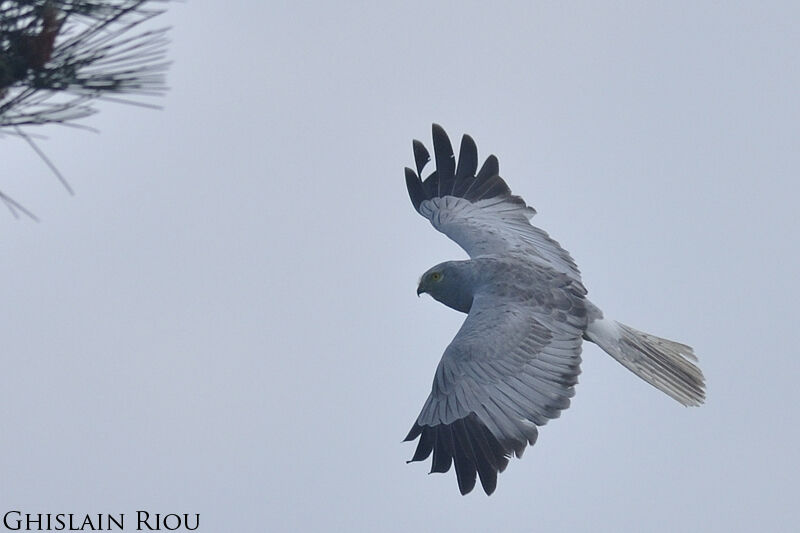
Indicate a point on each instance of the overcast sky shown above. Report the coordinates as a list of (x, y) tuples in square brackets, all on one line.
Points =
[(223, 320)]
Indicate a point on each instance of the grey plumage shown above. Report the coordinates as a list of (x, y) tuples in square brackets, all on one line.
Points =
[(515, 361)]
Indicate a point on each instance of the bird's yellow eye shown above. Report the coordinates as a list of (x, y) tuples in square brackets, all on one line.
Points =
[(436, 276)]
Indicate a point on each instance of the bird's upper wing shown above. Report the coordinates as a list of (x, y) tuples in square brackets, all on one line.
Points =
[(511, 367), (477, 210)]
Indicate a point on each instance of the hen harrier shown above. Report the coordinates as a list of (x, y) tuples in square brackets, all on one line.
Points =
[(515, 361)]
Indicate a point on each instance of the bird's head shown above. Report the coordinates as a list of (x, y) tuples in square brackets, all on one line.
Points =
[(449, 283)]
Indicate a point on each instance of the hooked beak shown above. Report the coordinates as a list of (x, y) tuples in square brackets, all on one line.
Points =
[(420, 290)]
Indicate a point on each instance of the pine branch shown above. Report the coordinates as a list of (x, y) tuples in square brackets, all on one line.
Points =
[(57, 57)]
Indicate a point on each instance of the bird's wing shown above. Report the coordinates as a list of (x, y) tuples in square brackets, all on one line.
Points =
[(510, 368), (477, 210)]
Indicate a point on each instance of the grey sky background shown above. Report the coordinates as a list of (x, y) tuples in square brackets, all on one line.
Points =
[(223, 320)]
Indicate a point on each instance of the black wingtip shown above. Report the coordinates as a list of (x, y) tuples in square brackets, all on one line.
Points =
[(456, 179), (442, 449), (415, 431), (465, 459), (445, 160), (415, 189), (490, 167), (467, 159), (421, 156), (469, 445)]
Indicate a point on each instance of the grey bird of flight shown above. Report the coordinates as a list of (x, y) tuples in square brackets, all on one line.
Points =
[(515, 361)]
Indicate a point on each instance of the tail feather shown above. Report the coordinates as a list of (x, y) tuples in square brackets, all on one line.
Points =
[(664, 364)]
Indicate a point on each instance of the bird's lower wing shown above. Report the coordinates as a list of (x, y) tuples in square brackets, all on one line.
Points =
[(509, 369)]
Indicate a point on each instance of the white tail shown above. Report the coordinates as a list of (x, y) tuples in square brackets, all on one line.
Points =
[(664, 364)]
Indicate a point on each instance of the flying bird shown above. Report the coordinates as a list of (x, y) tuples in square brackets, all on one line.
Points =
[(515, 361)]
